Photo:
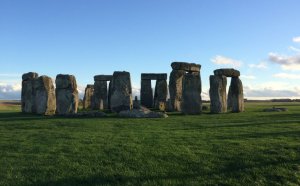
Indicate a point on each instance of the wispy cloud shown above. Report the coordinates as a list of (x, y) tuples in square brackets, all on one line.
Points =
[(221, 60), (287, 76), (296, 39), (294, 49), (261, 65), (286, 62)]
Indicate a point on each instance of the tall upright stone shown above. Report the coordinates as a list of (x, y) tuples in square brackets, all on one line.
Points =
[(100, 97), (88, 96), (45, 99), (236, 95), (160, 94), (217, 93), (191, 94), (146, 93), (175, 82), (28, 92), (121, 92), (66, 94)]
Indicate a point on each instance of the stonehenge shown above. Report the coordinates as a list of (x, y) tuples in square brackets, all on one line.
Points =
[(40, 97), (158, 101), (66, 94), (218, 82), (100, 100), (121, 92), (179, 70), (88, 96), (38, 94)]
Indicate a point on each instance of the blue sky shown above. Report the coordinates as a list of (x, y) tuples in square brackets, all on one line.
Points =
[(90, 37)]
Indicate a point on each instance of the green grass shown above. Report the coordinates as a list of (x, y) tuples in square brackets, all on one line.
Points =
[(250, 148)]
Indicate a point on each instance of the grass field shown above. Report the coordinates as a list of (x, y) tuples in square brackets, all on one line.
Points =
[(250, 148)]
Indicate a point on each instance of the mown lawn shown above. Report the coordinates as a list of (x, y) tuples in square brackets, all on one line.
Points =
[(250, 148)]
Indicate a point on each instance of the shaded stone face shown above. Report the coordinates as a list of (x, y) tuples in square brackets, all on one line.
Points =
[(66, 94), (45, 99), (191, 94), (217, 93), (160, 95), (188, 67), (146, 93), (175, 89), (103, 78), (228, 72), (153, 76), (121, 92), (88, 95), (236, 95), (100, 97), (28, 92)]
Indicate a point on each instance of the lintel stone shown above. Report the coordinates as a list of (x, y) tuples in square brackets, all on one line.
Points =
[(228, 72), (103, 77), (154, 76)]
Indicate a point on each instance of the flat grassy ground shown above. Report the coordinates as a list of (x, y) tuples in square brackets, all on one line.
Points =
[(250, 148)]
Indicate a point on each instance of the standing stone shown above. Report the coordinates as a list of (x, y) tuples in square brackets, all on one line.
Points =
[(100, 99), (45, 99), (236, 95), (217, 93), (146, 93), (66, 94), (88, 96), (175, 89), (121, 92), (109, 94), (28, 92), (160, 94), (191, 94)]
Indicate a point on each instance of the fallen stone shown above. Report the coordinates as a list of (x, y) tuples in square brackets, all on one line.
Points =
[(89, 114), (141, 113)]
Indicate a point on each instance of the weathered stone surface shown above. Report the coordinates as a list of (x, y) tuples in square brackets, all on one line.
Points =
[(191, 94), (121, 92), (146, 93), (103, 78), (28, 93), (88, 96), (189, 67), (153, 76), (160, 94), (100, 97), (228, 72), (236, 95), (66, 94), (143, 112), (217, 93), (169, 107), (175, 89), (45, 99), (109, 94)]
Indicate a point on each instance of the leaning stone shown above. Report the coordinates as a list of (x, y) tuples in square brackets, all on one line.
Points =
[(189, 67), (191, 94), (121, 92), (66, 94), (45, 96), (236, 95), (228, 72), (160, 95), (28, 92), (217, 93), (88, 96), (103, 78), (153, 76), (175, 89), (146, 93)]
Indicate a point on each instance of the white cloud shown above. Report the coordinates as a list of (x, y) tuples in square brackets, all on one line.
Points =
[(248, 77), (286, 62), (296, 39), (221, 60), (10, 91), (261, 65), (294, 49), (287, 76)]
